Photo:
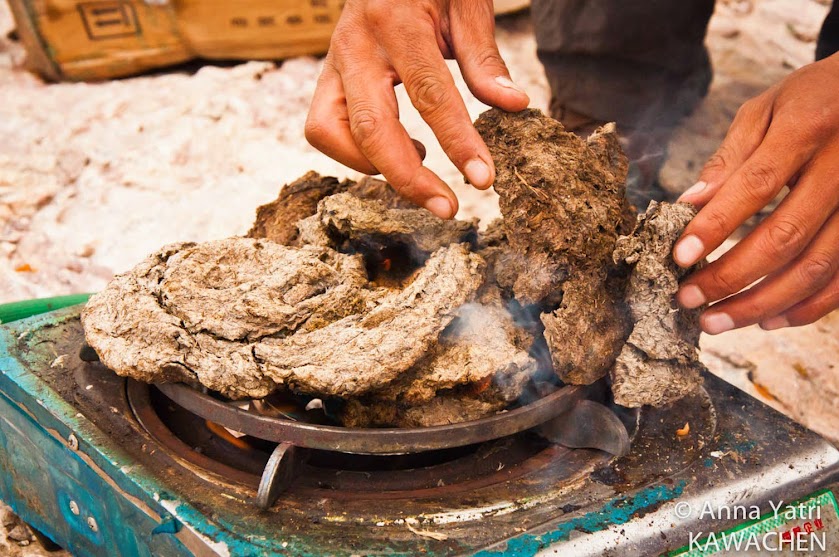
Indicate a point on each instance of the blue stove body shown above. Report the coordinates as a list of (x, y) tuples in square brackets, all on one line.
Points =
[(78, 465)]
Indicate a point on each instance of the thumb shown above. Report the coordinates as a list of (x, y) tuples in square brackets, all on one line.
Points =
[(473, 45)]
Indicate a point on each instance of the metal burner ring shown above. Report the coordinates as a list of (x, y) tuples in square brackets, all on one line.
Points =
[(379, 441)]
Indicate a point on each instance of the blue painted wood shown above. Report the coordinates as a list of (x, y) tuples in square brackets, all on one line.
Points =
[(135, 514), (41, 475)]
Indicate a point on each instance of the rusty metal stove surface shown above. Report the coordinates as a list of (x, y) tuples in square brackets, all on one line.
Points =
[(69, 434), (384, 441)]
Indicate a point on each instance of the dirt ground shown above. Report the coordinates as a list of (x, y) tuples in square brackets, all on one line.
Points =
[(95, 176)]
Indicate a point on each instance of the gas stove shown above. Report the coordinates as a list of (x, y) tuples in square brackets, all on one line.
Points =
[(106, 466)]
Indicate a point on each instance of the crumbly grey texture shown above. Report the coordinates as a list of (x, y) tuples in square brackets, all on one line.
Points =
[(563, 206), (659, 363), (277, 220), (366, 351), (428, 338), (451, 385), (480, 364), (193, 312), (482, 346), (371, 224), (324, 315), (242, 289), (244, 316)]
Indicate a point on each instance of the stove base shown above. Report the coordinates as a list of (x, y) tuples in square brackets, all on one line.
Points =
[(79, 467)]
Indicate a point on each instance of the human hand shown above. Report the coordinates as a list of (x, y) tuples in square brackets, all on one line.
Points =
[(379, 44), (789, 135)]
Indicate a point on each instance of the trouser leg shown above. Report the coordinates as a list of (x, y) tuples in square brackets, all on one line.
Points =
[(641, 64), (828, 42)]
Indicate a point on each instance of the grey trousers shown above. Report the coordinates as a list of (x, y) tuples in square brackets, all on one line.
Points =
[(641, 63), (828, 43)]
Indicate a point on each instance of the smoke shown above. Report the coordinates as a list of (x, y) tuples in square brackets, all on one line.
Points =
[(508, 340), (642, 65), (498, 347)]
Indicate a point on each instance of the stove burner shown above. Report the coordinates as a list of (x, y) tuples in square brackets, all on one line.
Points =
[(268, 468), (563, 415), (384, 441)]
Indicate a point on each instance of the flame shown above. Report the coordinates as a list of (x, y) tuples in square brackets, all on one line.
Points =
[(221, 432), (478, 387)]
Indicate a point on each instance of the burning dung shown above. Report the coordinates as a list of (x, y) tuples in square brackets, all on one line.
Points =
[(342, 290)]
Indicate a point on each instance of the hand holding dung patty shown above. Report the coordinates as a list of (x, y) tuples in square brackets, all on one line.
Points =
[(379, 44), (787, 136)]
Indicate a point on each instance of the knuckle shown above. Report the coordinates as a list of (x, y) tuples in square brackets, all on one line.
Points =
[(715, 224), (316, 132), (761, 183), (715, 163), (817, 269), (785, 235), (752, 312), (427, 92), (341, 41), (410, 188), (488, 57), (816, 306), (364, 123), (378, 12), (454, 140), (718, 161), (473, 11), (818, 124), (723, 282), (749, 109)]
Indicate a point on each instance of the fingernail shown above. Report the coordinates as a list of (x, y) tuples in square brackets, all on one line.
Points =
[(440, 206), (693, 190), (717, 323), (691, 296), (688, 251), (478, 173), (420, 148), (508, 83), (777, 322)]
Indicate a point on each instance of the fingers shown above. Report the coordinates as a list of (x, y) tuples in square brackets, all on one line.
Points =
[(416, 57), (808, 311), (375, 128), (749, 188), (486, 74), (775, 242), (805, 276), (328, 124), (797, 247), (744, 136), (354, 115)]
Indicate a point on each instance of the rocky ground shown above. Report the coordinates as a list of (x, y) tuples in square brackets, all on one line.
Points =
[(95, 176)]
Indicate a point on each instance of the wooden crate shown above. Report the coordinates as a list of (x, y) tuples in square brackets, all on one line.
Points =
[(93, 40)]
